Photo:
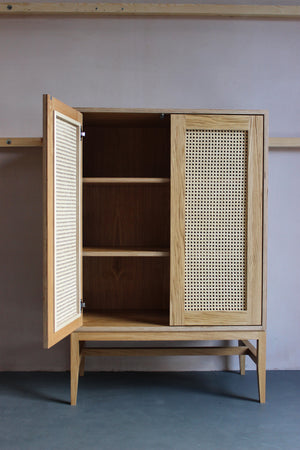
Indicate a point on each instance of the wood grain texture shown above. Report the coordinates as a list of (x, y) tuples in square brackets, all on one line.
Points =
[(250, 346), (140, 320), (125, 180), (126, 152), (211, 122), (125, 252), (265, 219), (284, 142), (177, 219), (120, 113), (49, 106), (242, 360), (151, 9), (255, 220), (173, 351), (118, 216), (130, 283), (126, 319), (129, 118), (74, 367), (252, 316), (261, 367), (21, 142), (150, 335)]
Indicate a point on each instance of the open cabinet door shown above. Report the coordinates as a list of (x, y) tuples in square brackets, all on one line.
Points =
[(62, 220), (216, 219)]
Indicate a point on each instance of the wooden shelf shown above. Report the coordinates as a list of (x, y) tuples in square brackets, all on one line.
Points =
[(124, 252), (129, 318), (124, 180)]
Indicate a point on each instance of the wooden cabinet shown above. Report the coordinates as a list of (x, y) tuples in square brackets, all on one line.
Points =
[(156, 221)]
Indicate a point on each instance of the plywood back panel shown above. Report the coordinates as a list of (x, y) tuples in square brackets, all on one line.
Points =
[(126, 215), (114, 283), (126, 151)]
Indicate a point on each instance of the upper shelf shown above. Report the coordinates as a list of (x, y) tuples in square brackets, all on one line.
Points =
[(125, 180), (125, 252), (151, 9)]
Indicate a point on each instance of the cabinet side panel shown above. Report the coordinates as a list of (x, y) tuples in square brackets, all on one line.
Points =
[(265, 218), (255, 220), (177, 219)]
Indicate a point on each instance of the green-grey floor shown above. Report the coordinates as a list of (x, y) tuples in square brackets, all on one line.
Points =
[(185, 410)]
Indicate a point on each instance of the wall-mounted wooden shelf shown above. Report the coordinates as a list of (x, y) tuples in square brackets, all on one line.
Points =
[(151, 9), (21, 142), (133, 252)]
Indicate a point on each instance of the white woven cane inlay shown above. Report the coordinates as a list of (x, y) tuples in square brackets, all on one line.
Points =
[(215, 220)]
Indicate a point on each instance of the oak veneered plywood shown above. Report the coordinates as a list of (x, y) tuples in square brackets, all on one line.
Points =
[(126, 151), (125, 252), (61, 145), (177, 229), (126, 283), (117, 216), (223, 160)]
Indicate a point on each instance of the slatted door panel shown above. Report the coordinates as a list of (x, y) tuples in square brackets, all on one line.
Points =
[(218, 237), (62, 164)]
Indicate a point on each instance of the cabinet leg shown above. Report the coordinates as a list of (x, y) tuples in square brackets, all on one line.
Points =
[(261, 367), (82, 360), (74, 369), (242, 359)]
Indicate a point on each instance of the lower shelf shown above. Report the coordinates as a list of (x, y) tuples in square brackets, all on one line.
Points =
[(130, 318)]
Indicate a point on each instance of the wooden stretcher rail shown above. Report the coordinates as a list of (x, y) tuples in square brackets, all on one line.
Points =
[(151, 9), (174, 351)]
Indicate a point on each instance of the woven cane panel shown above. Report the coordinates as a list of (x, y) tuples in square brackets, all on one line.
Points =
[(215, 220), (66, 220)]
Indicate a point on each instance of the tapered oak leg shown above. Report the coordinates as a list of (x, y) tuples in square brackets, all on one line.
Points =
[(82, 360), (242, 359), (261, 367), (74, 369)]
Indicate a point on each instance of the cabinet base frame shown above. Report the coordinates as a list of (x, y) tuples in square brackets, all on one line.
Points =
[(79, 350)]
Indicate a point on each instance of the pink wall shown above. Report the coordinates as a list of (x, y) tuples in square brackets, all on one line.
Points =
[(151, 62)]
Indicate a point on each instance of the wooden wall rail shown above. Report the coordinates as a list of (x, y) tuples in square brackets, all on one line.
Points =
[(38, 142), (21, 142), (284, 142), (151, 9)]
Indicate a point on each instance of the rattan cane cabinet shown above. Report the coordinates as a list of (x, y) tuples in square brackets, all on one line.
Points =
[(156, 222)]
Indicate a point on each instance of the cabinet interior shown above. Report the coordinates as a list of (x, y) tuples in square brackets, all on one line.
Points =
[(126, 218)]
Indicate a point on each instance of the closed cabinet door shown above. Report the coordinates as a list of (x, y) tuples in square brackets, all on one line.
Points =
[(62, 220), (216, 219)]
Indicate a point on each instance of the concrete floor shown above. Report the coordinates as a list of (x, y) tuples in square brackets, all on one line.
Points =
[(176, 411)]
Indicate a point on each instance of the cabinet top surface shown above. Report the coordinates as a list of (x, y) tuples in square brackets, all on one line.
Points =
[(171, 111)]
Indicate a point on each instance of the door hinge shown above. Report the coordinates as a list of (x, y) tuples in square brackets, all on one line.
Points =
[(82, 305), (82, 134)]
